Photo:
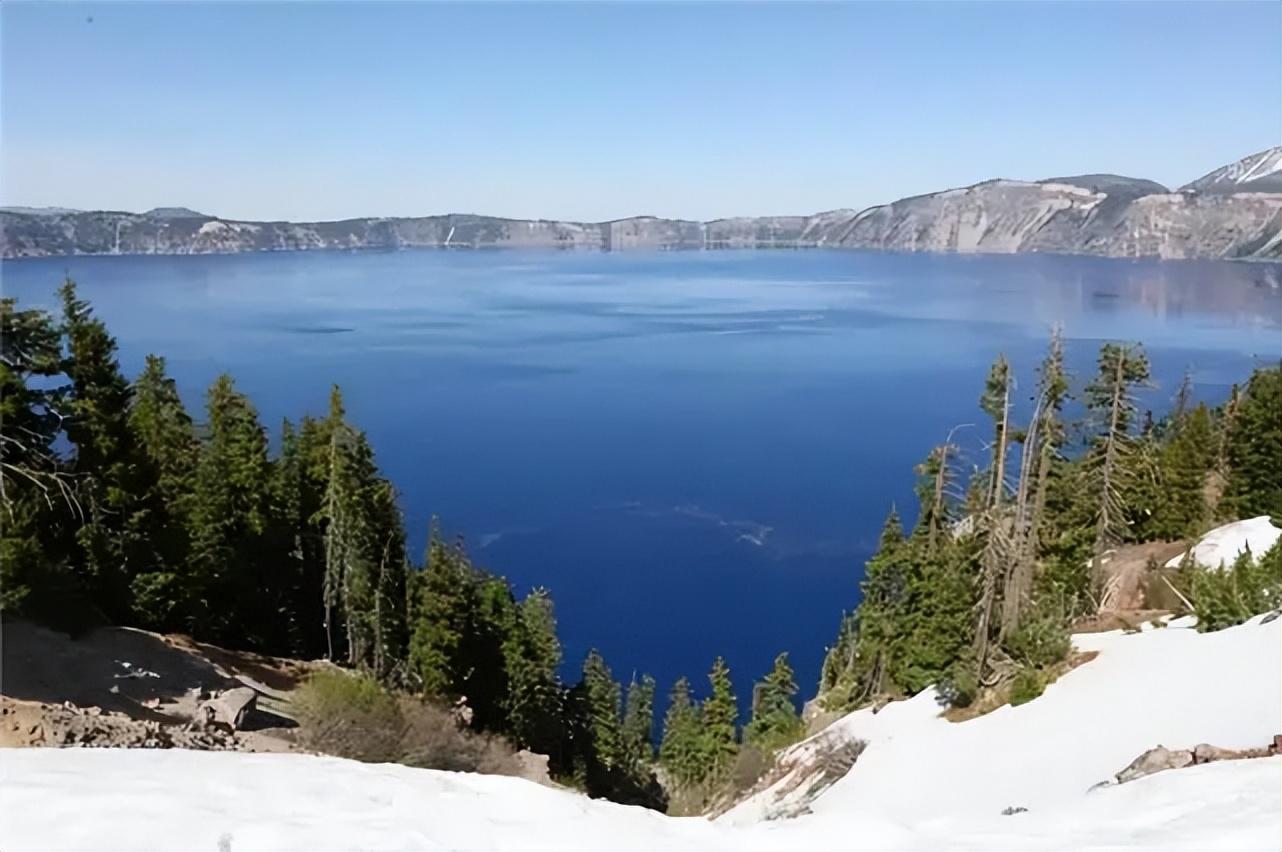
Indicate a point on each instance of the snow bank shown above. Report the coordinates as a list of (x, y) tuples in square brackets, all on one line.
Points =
[(922, 782), (1170, 686), (1222, 545)]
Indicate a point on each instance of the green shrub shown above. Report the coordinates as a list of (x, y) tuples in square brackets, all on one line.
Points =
[(1028, 684), (1042, 637), (960, 685), (1235, 593)]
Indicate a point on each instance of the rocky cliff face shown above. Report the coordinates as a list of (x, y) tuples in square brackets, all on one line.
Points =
[(44, 233), (1223, 215), (1233, 212)]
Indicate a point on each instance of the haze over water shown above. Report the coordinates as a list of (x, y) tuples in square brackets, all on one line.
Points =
[(693, 451)]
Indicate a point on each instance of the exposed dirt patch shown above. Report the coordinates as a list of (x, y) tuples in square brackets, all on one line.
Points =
[(1125, 570), (34, 723), (121, 686)]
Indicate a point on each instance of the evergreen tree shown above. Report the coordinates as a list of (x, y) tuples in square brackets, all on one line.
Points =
[(719, 714), (995, 402), (682, 751), (298, 529), (168, 449), (440, 613), (364, 579), (532, 654), (37, 501), (775, 722), (228, 518), (937, 626), (1111, 459), (1253, 448), (603, 697), (1041, 459), (1180, 507), (638, 720), (492, 619), (97, 426), (885, 594)]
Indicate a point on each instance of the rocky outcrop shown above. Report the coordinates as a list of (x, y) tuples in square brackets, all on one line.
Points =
[(40, 234), (1260, 172), (1067, 216), (1233, 212), (1160, 759)]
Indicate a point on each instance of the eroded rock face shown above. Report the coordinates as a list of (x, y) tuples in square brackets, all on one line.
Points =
[(1233, 212), (1008, 217)]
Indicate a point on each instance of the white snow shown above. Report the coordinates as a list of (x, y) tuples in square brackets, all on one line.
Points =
[(922, 782), (1222, 545)]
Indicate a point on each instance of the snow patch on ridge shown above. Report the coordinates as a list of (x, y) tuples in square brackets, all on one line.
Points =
[(921, 782), (1221, 546)]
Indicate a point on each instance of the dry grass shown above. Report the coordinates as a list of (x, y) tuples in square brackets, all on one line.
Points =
[(352, 716)]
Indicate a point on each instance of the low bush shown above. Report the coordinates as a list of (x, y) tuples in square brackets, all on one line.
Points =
[(353, 716), (1041, 639), (1028, 684), (1235, 593)]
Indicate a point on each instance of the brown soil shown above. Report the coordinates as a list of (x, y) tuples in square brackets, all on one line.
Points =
[(121, 686), (1126, 569)]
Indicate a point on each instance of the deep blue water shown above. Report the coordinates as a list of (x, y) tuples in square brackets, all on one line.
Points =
[(693, 451)]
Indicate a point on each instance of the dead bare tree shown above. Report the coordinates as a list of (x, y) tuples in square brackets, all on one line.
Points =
[(1110, 467)]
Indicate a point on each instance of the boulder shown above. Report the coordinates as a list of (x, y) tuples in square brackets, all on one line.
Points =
[(1155, 760), (226, 709)]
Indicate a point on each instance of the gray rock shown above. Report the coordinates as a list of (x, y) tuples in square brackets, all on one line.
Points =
[(227, 708), (1155, 760)]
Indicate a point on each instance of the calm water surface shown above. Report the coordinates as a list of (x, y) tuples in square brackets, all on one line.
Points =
[(693, 451)]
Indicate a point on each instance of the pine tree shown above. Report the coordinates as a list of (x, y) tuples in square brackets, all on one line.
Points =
[(1111, 459), (97, 426), (719, 714), (37, 502), (1040, 459), (1180, 508), (532, 654), (603, 697), (638, 720), (775, 722), (682, 750), (168, 450), (229, 515), (1253, 448), (995, 402), (936, 626), (440, 612), (298, 529), (485, 683), (885, 592)]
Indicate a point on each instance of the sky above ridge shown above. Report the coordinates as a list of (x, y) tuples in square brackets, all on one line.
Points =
[(592, 111)]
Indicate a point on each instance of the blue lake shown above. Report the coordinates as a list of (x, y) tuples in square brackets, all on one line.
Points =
[(693, 451)]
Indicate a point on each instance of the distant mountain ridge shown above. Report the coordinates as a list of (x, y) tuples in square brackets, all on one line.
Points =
[(1232, 212)]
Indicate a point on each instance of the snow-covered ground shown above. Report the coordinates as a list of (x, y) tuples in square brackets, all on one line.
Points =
[(922, 782), (1221, 546)]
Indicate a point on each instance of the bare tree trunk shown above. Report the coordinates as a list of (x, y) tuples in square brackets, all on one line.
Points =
[(1107, 498), (990, 563), (1019, 569), (937, 506), (1003, 440)]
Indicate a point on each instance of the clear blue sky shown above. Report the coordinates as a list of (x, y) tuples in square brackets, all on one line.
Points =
[(601, 110)]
